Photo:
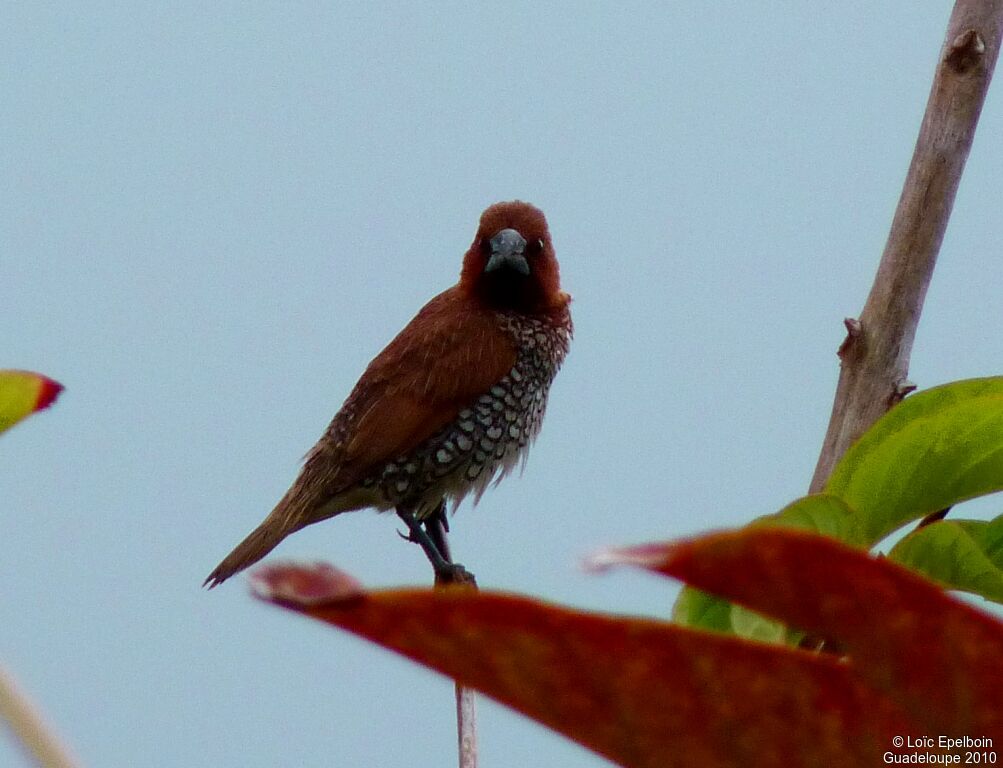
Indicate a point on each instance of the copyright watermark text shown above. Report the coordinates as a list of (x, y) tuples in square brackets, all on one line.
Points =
[(941, 750)]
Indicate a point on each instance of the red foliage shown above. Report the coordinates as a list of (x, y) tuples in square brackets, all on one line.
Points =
[(937, 658), (648, 693)]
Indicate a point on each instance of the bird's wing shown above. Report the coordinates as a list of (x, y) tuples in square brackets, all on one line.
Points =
[(449, 354)]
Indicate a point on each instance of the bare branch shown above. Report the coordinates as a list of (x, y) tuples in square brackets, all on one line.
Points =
[(874, 358), (466, 726), (436, 526), (28, 726)]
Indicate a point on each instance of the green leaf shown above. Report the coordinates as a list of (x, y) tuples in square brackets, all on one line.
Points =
[(966, 555), (820, 513), (755, 626), (22, 393), (702, 610), (932, 450)]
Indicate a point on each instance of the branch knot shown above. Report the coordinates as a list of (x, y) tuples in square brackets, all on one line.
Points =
[(966, 52), (853, 332), (902, 388)]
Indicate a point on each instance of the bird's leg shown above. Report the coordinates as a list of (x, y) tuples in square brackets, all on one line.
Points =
[(431, 537), (437, 526), (418, 535)]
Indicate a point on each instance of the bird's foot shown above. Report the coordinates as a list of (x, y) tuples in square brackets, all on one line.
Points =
[(431, 538), (454, 573), (418, 535)]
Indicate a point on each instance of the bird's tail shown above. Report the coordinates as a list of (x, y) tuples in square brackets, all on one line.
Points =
[(288, 516), (255, 546)]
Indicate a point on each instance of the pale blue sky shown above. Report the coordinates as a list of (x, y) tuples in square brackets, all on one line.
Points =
[(214, 215)]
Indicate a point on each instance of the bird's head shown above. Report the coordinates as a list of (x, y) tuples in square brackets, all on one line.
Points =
[(511, 263)]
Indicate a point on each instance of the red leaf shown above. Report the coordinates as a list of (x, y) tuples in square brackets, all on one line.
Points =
[(939, 659), (48, 391), (640, 692)]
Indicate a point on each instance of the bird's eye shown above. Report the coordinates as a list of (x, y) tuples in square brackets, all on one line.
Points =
[(538, 245)]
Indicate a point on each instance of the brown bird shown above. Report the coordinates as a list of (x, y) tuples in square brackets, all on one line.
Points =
[(453, 402)]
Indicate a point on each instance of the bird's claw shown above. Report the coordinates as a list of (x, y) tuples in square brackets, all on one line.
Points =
[(409, 537)]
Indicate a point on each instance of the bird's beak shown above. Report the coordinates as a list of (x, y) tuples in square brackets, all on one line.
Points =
[(508, 252)]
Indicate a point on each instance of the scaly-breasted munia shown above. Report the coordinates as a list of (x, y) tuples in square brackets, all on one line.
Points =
[(452, 402)]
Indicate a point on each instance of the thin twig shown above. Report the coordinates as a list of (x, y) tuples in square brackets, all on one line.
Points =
[(466, 726), (30, 729), (466, 703), (875, 355)]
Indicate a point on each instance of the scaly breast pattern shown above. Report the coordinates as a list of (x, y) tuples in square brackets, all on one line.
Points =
[(489, 436)]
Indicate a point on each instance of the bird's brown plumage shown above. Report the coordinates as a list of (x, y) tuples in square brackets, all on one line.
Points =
[(473, 339)]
